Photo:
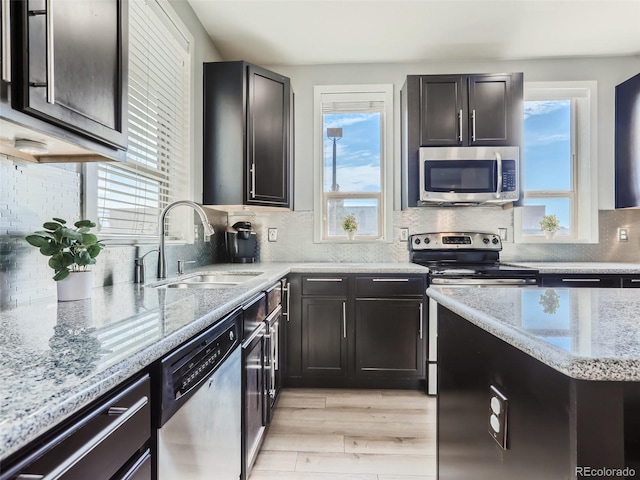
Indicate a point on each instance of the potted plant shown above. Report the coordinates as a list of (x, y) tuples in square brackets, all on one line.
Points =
[(549, 225), (72, 251), (350, 225)]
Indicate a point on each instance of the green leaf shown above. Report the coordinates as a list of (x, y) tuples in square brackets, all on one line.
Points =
[(44, 233), (84, 223), (84, 229), (51, 225), (94, 250), (61, 275), (59, 220), (72, 234), (50, 249), (89, 239), (83, 258), (57, 262), (37, 240)]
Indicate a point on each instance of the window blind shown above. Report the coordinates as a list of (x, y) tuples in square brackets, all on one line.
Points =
[(131, 194)]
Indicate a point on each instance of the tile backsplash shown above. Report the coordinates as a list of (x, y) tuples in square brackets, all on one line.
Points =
[(33, 193)]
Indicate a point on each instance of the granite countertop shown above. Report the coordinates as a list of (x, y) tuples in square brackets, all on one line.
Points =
[(59, 357), (582, 267), (585, 333)]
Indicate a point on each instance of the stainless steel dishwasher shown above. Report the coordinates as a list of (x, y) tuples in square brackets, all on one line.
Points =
[(200, 416)]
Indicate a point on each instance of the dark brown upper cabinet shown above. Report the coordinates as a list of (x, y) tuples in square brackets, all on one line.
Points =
[(468, 110), (627, 143), (458, 110), (70, 67), (247, 136)]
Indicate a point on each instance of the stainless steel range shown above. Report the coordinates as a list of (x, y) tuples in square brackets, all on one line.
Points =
[(466, 259), (461, 259)]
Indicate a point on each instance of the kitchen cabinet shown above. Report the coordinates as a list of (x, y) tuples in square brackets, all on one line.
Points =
[(247, 136), (109, 440), (356, 331), (275, 314), (580, 280), (69, 71), (457, 111), (627, 149), (630, 281)]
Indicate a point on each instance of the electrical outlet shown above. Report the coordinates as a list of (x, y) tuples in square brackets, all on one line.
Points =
[(404, 234), (273, 234), (623, 234), (503, 234)]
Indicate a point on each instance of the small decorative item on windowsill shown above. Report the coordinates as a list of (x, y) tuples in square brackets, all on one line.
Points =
[(72, 251), (350, 225), (549, 225)]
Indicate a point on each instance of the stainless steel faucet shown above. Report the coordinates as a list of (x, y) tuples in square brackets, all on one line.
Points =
[(208, 230)]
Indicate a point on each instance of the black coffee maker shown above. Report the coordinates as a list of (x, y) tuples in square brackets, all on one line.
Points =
[(242, 243)]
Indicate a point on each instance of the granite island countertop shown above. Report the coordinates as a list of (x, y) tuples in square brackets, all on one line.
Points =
[(60, 356), (584, 333)]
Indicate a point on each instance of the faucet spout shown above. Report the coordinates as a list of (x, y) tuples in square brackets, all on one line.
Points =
[(208, 229)]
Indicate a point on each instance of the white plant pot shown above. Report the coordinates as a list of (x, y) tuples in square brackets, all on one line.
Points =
[(549, 235), (351, 235), (77, 286)]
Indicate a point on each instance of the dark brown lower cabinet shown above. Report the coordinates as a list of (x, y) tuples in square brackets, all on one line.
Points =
[(324, 327), (555, 425), (388, 337)]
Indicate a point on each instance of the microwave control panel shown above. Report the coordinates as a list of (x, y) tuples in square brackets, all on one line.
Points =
[(509, 176)]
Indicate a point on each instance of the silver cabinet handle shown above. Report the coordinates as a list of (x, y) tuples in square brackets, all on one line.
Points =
[(460, 126), (473, 125), (6, 41), (420, 321), (499, 168), (344, 319), (581, 280), (635, 280), (88, 447), (390, 280), (254, 334), (323, 279), (288, 291), (51, 96), (253, 180)]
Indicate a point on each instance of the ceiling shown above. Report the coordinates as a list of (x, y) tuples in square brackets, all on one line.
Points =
[(303, 32)]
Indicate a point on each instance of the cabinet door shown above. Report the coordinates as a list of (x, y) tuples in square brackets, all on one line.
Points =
[(267, 138), (441, 111), (632, 281), (389, 337), (324, 336), (255, 412), (75, 66), (580, 280), (489, 109)]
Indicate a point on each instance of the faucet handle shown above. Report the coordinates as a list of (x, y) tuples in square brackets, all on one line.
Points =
[(181, 264)]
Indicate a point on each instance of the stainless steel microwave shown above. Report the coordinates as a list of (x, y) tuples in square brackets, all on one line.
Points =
[(469, 175)]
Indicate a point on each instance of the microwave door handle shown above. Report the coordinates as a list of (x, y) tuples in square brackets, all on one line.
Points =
[(499, 164)]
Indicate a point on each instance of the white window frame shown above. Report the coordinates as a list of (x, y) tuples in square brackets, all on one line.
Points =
[(183, 223), (386, 162), (584, 113)]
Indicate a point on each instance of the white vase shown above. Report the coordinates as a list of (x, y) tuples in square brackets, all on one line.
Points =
[(351, 235), (549, 235), (77, 286)]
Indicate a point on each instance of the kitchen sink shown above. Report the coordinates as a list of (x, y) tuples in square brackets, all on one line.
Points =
[(210, 280)]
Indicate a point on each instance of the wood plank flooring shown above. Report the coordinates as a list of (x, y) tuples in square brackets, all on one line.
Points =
[(337, 434)]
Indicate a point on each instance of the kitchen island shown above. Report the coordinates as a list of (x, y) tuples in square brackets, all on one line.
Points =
[(58, 357), (565, 364)]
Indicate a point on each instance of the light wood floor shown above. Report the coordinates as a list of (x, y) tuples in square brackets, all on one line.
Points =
[(327, 434)]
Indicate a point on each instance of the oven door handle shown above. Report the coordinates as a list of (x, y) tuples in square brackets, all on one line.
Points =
[(481, 281), (499, 165)]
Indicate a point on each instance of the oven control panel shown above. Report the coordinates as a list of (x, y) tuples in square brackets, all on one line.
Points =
[(455, 241)]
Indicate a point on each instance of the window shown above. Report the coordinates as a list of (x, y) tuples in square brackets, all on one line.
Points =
[(559, 162), (127, 197), (353, 161)]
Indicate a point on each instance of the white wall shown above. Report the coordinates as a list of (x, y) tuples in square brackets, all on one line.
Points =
[(608, 72)]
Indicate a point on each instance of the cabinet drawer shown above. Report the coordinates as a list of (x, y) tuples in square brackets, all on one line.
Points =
[(580, 280), (631, 282), (95, 444), (274, 297), (325, 285), (254, 313), (384, 286)]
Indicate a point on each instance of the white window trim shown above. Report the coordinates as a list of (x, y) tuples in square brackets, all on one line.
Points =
[(586, 175), (386, 194), (89, 170)]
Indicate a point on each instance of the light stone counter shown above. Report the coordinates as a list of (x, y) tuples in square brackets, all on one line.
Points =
[(59, 357), (582, 267), (585, 333)]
